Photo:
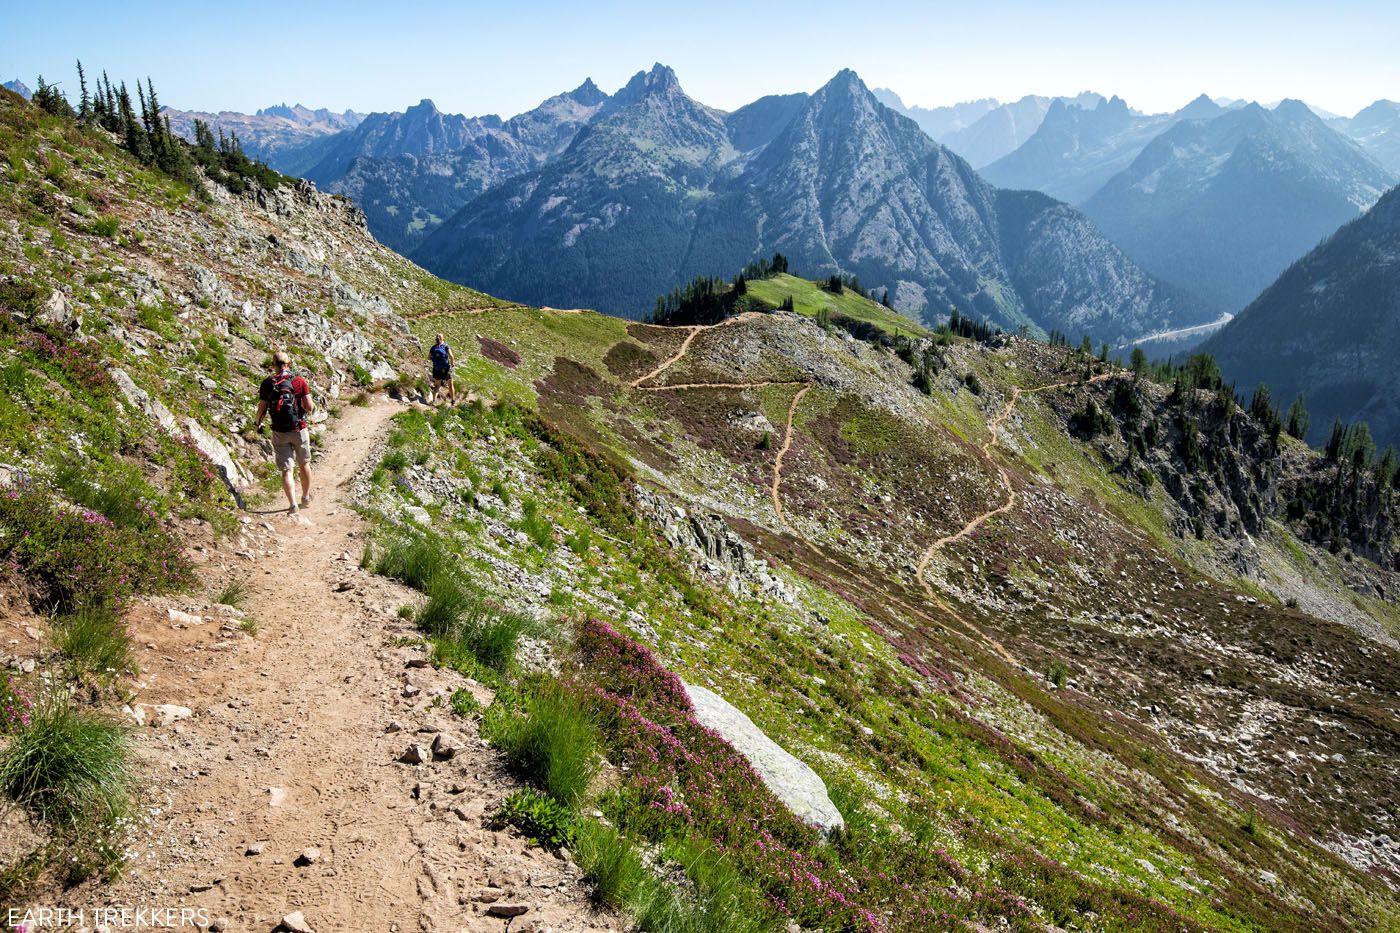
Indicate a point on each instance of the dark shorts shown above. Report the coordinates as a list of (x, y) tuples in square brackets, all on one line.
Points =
[(442, 375)]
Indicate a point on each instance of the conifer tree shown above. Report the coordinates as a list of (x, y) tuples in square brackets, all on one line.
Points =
[(1297, 418), (84, 104)]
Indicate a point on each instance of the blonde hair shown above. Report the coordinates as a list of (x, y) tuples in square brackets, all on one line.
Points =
[(280, 358), (441, 339)]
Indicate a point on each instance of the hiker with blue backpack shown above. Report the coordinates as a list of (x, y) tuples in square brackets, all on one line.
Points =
[(442, 359), (285, 399)]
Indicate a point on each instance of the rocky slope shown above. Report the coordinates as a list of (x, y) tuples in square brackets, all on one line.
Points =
[(1327, 326), (660, 189), (1222, 206)]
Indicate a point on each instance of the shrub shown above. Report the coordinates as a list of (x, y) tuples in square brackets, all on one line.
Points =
[(766, 441), (82, 558), (465, 703), (1058, 673), (69, 767), (361, 400), (93, 640), (554, 744), (395, 461), (361, 375), (542, 819)]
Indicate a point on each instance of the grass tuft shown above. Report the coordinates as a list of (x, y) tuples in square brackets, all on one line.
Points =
[(235, 594), (93, 640), (70, 767), (554, 744)]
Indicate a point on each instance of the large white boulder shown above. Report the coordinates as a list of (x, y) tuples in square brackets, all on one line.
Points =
[(790, 780)]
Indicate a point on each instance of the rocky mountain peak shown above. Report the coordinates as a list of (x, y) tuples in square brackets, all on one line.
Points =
[(660, 81), (1201, 108), (588, 93), (424, 107)]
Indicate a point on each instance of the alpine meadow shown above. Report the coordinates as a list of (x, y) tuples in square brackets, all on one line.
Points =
[(877, 485)]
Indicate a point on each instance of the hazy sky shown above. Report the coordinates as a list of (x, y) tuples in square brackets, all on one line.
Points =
[(504, 57)]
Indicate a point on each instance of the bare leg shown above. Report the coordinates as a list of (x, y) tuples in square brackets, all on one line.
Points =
[(452, 391), (305, 480), (287, 488)]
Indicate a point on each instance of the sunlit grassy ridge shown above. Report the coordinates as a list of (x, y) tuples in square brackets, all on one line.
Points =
[(811, 299), (1036, 796)]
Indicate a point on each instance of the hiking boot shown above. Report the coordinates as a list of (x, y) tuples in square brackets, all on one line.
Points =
[(306, 500), (292, 510)]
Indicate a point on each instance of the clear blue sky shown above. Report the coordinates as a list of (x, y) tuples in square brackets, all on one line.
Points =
[(504, 57)]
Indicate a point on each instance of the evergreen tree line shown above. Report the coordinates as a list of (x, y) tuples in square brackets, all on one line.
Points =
[(959, 325), (764, 268), (148, 136), (704, 299)]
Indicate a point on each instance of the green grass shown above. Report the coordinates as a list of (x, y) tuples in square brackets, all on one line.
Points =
[(93, 640), (461, 622), (554, 743), (233, 594), (810, 299), (69, 767)]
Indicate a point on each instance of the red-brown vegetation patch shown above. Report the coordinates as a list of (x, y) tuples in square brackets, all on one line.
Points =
[(498, 352)]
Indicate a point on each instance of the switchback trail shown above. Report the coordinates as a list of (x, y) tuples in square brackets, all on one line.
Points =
[(775, 484), (291, 740), (977, 521)]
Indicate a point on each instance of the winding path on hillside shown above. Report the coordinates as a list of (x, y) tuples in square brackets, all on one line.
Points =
[(775, 484), (292, 740)]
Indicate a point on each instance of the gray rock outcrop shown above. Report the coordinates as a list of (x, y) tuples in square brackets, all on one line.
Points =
[(790, 780)]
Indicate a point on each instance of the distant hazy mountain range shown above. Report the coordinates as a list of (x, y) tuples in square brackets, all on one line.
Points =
[(659, 188), (983, 131), (1377, 130), (1329, 328), (591, 199), (281, 136), (1223, 205)]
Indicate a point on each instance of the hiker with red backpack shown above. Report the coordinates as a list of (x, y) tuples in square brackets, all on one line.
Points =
[(442, 359), (285, 399)]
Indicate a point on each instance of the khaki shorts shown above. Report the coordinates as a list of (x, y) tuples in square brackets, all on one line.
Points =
[(291, 445)]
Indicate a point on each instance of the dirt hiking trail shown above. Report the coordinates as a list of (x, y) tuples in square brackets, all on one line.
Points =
[(775, 483), (290, 741)]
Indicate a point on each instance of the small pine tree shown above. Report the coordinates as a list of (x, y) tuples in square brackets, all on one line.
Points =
[(1138, 361), (1297, 419)]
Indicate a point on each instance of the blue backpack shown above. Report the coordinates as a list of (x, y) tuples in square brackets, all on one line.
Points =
[(442, 366)]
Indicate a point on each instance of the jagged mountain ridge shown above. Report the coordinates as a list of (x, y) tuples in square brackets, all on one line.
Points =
[(656, 190), (1328, 328), (283, 137), (1076, 149), (1223, 205), (413, 170)]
